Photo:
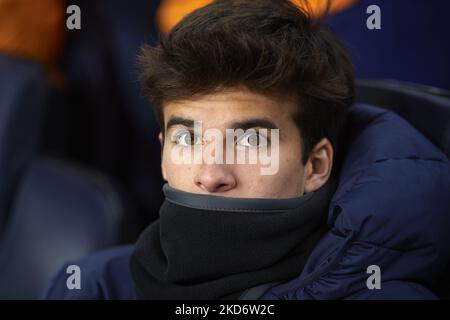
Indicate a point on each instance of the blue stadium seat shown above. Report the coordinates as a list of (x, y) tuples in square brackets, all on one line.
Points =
[(23, 95), (59, 213), (409, 101), (50, 211)]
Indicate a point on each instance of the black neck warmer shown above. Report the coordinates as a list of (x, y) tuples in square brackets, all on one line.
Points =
[(213, 247)]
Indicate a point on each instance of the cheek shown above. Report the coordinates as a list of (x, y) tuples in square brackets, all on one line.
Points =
[(179, 176), (285, 183), (291, 173), (289, 180)]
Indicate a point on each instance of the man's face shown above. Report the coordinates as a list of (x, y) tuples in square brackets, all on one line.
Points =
[(233, 109)]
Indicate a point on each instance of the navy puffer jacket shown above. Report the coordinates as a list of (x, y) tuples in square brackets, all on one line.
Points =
[(391, 210)]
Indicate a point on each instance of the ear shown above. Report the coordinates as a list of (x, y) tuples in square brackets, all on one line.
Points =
[(161, 139), (163, 169), (319, 165)]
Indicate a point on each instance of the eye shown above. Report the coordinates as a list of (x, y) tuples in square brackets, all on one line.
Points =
[(252, 140), (185, 138)]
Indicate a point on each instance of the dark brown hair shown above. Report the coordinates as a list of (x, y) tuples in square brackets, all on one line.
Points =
[(270, 47)]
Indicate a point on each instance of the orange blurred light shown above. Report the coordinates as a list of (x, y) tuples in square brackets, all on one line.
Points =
[(170, 12), (32, 29)]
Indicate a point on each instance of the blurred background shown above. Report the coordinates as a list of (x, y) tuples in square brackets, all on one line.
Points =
[(79, 154)]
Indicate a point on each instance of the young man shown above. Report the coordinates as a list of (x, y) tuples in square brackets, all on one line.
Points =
[(263, 79), (231, 66)]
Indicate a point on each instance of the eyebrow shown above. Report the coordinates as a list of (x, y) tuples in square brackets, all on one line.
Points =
[(244, 125), (254, 123), (175, 121)]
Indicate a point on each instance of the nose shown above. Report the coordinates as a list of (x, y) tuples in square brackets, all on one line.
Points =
[(215, 178)]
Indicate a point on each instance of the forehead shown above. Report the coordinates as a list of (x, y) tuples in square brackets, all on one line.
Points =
[(229, 106)]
